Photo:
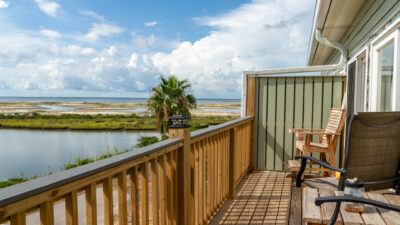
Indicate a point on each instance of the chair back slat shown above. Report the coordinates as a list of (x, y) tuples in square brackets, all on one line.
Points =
[(374, 149), (336, 122)]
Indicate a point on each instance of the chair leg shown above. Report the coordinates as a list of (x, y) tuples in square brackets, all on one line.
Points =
[(323, 158), (332, 159), (293, 175)]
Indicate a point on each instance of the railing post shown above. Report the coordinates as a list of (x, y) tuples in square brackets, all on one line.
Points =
[(252, 139), (183, 170), (232, 182)]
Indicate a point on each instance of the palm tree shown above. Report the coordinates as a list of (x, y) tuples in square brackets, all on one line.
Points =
[(170, 97)]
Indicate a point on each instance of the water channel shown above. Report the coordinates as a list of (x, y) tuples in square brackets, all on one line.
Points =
[(36, 152)]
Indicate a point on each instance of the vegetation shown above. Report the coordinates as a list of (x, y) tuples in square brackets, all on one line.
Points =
[(170, 97), (144, 141), (77, 161), (97, 122)]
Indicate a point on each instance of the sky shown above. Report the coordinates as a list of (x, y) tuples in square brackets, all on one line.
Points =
[(102, 48)]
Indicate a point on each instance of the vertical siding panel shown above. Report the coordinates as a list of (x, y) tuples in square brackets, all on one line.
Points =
[(379, 17), (289, 109), (337, 103), (280, 128), (262, 124), (299, 103), (257, 117), (317, 110), (270, 154), (327, 102), (308, 102)]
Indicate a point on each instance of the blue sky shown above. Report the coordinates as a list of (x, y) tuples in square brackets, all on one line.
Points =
[(120, 48)]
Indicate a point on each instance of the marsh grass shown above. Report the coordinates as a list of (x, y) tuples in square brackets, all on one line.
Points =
[(97, 122)]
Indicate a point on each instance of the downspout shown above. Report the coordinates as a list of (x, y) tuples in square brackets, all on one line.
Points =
[(342, 49), (341, 64)]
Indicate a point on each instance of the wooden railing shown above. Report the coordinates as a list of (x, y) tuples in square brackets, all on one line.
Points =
[(149, 183)]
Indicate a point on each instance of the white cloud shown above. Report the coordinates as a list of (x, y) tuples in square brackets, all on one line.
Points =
[(92, 14), (258, 35), (102, 30), (4, 4), (52, 34), (150, 24), (75, 50), (50, 8), (141, 42)]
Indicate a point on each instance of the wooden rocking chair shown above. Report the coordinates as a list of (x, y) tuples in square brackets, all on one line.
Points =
[(327, 141)]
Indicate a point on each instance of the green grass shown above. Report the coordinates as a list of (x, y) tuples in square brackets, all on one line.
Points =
[(97, 122)]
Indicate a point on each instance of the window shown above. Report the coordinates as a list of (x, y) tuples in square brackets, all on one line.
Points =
[(385, 77), (385, 72)]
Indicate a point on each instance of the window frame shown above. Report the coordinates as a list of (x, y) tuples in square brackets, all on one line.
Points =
[(363, 99), (383, 40)]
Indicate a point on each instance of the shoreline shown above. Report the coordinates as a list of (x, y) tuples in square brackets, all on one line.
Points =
[(126, 108)]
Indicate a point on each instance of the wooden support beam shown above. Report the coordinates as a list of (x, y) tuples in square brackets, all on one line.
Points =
[(184, 174)]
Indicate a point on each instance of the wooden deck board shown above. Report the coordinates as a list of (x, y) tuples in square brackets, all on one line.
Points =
[(264, 198)]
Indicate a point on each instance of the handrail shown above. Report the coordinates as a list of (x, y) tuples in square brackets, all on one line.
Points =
[(218, 127), (27, 189)]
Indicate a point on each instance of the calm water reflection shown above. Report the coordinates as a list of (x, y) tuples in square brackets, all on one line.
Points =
[(33, 152)]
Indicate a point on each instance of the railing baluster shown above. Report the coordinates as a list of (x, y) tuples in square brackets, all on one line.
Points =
[(175, 186), (154, 191), (18, 219), (71, 208), (122, 204), (133, 181), (208, 192), (46, 213), (91, 204), (192, 193), (108, 201), (196, 183), (201, 182), (162, 181), (218, 159), (170, 196), (144, 176)]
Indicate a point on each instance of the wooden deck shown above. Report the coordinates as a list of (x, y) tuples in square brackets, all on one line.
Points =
[(263, 197)]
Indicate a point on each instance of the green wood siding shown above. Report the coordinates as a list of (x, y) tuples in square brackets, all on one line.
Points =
[(287, 102), (371, 16)]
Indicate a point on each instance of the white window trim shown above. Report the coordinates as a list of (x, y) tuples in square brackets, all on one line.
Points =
[(361, 53), (391, 36)]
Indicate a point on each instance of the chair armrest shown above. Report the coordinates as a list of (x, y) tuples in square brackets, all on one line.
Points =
[(295, 130), (304, 159), (324, 164), (321, 200), (317, 133), (387, 180)]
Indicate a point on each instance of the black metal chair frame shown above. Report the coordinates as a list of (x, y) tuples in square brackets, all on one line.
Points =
[(340, 199)]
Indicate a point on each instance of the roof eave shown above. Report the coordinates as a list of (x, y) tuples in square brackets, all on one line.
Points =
[(320, 15)]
